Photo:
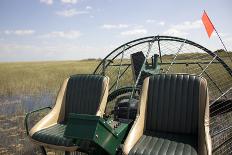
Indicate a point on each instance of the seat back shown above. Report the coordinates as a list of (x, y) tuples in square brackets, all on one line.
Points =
[(84, 94), (173, 103)]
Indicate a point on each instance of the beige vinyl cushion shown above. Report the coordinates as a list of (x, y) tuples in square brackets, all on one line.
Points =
[(56, 115), (138, 127), (204, 139)]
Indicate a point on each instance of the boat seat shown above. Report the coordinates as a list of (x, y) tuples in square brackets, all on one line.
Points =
[(53, 135), (173, 117), (165, 144), (80, 94)]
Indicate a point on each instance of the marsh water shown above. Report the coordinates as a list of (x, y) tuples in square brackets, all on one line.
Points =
[(9, 105), (13, 139)]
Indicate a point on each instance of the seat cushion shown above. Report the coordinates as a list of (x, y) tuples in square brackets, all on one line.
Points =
[(169, 145), (53, 135)]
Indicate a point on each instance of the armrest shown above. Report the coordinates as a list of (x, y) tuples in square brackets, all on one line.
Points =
[(134, 135), (204, 138), (29, 114), (137, 129)]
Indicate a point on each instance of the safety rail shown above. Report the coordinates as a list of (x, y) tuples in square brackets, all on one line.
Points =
[(28, 116)]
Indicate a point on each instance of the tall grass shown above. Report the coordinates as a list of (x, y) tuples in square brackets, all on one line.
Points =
[(35, 77)]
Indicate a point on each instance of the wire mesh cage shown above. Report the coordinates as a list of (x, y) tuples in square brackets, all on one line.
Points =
[(178, 55)]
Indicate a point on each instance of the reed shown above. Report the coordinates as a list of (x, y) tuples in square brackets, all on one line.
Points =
[(35, 77)]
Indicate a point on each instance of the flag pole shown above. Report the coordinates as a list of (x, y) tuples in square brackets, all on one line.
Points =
[(222, 43), (219, 37)]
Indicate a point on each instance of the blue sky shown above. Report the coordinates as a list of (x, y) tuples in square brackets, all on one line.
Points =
[(39, 30)]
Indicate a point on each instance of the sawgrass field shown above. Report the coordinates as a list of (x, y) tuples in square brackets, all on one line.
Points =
[(33, 77), (20, 78)]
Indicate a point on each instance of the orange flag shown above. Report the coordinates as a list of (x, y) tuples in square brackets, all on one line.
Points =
[(208, 24)]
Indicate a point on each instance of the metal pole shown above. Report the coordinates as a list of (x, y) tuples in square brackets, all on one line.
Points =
[(181, 46), (210, 78), (159, 50), (143, 66), (208, 65), (103, 67), (119, 70), (221, 96), (137, 80), (221, 131)]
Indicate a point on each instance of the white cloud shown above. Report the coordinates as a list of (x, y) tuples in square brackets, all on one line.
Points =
[(72, 34), (183, 28), (228, 39), (175, 32), (110, 26), (51, 51), (69, 1), (162, 23), (48, 2), (88, 8), (187, 25), (19, 32), (71, 12), (150, 21), (134, 32)]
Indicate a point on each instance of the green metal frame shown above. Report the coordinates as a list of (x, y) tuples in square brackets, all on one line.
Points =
[(29, 114), (26, 124)]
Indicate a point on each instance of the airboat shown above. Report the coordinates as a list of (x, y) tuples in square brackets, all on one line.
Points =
[(153, 95)]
